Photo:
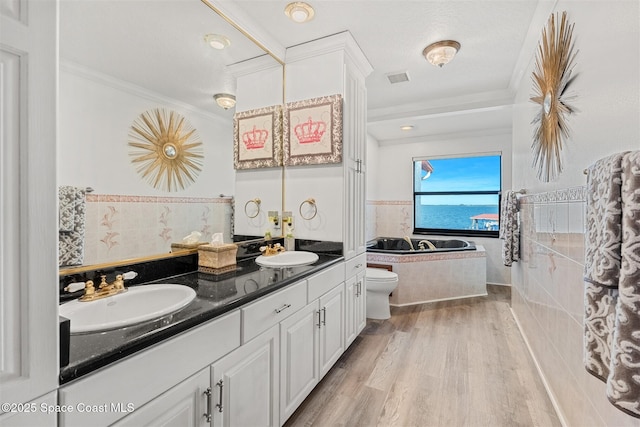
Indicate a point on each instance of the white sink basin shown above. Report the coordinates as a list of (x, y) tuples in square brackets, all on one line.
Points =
[(136, 305), (287, 259)]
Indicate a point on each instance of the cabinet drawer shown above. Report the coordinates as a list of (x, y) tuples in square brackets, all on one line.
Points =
[(355, 265), (264, 313), (324, 281)]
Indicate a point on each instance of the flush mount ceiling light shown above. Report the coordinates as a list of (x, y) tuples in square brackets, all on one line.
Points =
[(299, 12), (440, 53), (217, 41), (225, 100), (406, 127)]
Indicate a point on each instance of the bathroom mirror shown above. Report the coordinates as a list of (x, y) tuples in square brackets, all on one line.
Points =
[(119, 59)]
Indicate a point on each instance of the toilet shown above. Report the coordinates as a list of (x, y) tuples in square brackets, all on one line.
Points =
[(380, 283)]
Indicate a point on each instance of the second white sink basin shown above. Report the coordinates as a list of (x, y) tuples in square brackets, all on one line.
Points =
[(287, 259), (137, 304)]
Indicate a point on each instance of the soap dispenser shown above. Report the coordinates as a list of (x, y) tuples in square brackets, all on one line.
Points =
[(287, 228)]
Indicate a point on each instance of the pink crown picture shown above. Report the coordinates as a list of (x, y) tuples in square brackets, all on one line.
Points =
[(310, 132), (255, 138)]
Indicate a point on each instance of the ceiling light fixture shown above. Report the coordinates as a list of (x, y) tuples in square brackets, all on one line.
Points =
[(225, 100), (440, 53), (217, 41), (406, 127), (299, 12)]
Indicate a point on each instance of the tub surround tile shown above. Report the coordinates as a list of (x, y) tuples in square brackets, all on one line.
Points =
[(437, 276)]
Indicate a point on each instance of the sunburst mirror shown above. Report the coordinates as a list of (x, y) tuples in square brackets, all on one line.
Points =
[(552, 76), (165, 149)]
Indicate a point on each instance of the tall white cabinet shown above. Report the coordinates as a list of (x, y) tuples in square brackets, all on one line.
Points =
[(28, 210), (329, 66)]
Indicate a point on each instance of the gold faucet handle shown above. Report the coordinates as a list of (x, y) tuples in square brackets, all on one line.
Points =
[(119, 283), (88, 288)]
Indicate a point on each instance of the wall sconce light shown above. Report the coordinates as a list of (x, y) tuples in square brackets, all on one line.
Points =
[(440, 53), (299, 12), (225, 100)]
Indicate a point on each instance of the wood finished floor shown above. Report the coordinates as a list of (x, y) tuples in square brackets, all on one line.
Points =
[(453, 363)]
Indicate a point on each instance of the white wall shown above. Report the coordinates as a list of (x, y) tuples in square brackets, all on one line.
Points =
[(95, 115), (549, 309), (390, 178)]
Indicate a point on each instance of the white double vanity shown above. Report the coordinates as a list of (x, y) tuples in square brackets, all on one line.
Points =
[(252, 366)]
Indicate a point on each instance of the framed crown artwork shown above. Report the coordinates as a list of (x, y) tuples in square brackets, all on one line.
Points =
[(257, 136), (313, 131)]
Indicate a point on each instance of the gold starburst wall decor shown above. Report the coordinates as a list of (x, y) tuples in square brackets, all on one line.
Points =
[(166, 149), (552, 76)]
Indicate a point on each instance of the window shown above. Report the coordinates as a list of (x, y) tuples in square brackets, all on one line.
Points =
[(457, 195)]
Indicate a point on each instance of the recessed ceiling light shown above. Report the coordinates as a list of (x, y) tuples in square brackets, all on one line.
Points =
[(225, 100), (406, 127), (442, 52), (217, 41), (299, 12)]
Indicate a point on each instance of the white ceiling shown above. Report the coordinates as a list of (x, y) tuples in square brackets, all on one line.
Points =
[(471, 94)]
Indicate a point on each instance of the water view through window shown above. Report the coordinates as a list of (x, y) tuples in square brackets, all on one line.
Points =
[(459, 196)]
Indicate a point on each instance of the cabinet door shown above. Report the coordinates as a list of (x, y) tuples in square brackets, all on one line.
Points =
[(184, 405), (299, 350), (332, 311), (355, 137), (30, 414), (245, 384), (28, 201), (351, 311)]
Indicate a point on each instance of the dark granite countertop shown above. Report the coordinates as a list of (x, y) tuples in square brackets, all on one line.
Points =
[(216, 295)]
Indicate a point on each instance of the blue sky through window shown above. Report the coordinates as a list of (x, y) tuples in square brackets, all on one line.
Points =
[(471, 174)]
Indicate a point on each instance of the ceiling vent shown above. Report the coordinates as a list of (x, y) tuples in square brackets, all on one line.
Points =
[(398, 77)]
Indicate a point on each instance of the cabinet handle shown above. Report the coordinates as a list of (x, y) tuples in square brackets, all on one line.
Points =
[(219, 404), (283, 308), (358, 265), (207, 415), (324, 315), (319, 322)]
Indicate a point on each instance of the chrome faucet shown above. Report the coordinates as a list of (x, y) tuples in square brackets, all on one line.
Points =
[(421, 245), (408, 239)]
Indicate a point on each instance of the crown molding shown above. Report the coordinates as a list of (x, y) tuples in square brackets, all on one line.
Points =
[(340, 42), (253, 65), (127, 87)]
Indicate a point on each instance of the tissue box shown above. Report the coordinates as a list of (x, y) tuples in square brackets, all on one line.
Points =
[(217, 259), (183, 246)]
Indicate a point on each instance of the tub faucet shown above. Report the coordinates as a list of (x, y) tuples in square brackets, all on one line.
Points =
[(408, 239), (421, 245)]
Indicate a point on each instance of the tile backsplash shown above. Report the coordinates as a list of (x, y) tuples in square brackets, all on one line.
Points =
[(547, 299), (121, 227)]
